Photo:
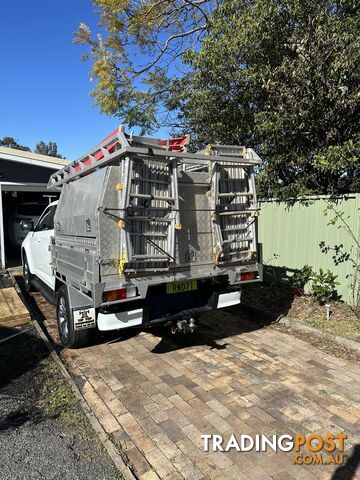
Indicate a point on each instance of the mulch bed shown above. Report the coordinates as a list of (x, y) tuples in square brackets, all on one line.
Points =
[(283, 300)]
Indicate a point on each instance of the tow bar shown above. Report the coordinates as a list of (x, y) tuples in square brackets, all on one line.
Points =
[(183, 326)]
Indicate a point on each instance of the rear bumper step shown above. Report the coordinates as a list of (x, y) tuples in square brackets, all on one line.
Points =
[(135, 318)]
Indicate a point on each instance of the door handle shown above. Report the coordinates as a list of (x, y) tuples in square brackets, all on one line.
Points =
[(39, 240)]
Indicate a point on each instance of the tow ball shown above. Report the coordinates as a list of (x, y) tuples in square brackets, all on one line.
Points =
[(184, 326)]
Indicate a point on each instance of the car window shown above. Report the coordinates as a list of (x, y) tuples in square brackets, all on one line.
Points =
[(46, 221)]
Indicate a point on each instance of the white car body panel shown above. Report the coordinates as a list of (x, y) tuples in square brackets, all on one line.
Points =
[(36, 246)]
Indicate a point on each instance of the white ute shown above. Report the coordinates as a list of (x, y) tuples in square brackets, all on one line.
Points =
[(145, 233), (36, 252)]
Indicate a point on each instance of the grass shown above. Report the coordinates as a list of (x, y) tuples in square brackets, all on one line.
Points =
[(344, 327), (281, 300), (60, 398), (342, 321), (60, 401)]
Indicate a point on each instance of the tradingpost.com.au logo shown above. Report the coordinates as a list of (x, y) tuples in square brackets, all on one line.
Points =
[(308, 450)]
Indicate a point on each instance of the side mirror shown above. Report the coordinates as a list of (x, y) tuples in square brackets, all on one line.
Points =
[(27, 225)]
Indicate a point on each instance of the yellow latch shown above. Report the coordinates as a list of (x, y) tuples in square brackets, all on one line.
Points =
[(122, 262)]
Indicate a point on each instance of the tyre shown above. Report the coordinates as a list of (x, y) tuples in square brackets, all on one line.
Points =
[(27, 276), (68, 336)]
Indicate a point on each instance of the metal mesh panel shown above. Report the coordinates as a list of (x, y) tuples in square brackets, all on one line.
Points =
[(150, 217), (234, 200)]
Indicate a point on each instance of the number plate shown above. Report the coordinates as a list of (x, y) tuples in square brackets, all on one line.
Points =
[(181, 287), (84, 318)]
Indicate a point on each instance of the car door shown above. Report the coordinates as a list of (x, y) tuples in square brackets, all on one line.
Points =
[(44, 230)]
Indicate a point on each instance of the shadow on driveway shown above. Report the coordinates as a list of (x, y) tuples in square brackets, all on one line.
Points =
[(348, 470)]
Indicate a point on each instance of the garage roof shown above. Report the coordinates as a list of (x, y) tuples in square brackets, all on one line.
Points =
[(32, 158)]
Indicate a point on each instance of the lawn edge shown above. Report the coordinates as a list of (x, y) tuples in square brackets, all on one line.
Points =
[(114, 455), (299, 325)]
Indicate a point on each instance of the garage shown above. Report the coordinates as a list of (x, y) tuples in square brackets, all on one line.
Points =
[(23, 196)]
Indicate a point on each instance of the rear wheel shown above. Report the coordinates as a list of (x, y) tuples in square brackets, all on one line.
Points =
[(68, 336), (26, 274)]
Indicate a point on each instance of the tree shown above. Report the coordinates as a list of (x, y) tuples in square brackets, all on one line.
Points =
[(282, 76), (279, 75), (139, 54), (10, 142), (49, 149)]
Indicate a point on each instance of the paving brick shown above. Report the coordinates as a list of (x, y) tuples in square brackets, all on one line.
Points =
[(177, 417), (103, 414), (342, 413), (137, 462), (194, 434), (156, 412), (167, 446), (162, 401), (186, 468), (178, 402), (150, 476), (150, 426), (172, 430), (162, 466), (184, 393), (218, 422), (219, 408), (224, 379), (261, 415)]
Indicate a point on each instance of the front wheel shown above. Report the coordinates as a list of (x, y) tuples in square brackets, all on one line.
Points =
[(26, 274), (68, 336)]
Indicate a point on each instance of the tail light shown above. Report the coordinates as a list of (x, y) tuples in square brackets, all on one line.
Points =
[(112, 295), (246, 276), (120, 294)]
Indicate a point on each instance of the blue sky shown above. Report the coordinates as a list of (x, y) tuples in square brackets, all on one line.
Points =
[(44, 85)]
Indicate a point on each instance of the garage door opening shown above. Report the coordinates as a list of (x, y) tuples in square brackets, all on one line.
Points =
[(20, 212)]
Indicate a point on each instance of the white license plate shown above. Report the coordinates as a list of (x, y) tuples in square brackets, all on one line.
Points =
[(84, 318)]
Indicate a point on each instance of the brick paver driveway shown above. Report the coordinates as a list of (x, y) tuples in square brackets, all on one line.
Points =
[(155, 394)]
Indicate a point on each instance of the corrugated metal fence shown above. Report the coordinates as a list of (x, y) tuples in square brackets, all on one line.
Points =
[(290, 236)]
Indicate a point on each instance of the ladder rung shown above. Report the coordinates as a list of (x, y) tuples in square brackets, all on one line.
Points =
[(225, 154), (238, 212), (244, 249), (235, 229), (150, 180), (146, 269), (236, 194), (151, 197), (148, 234), (150, 219), (233, 165), (148, 258), (238, 240), (147, 208)]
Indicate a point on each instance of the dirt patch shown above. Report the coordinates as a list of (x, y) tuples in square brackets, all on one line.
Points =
[(322, 343), (5, 279), (43, 431), (281, 300), (275, 299), (342, 320)]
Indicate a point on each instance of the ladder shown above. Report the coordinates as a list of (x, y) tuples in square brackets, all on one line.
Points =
[(149, 214), (233, 203), (148, 196)]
